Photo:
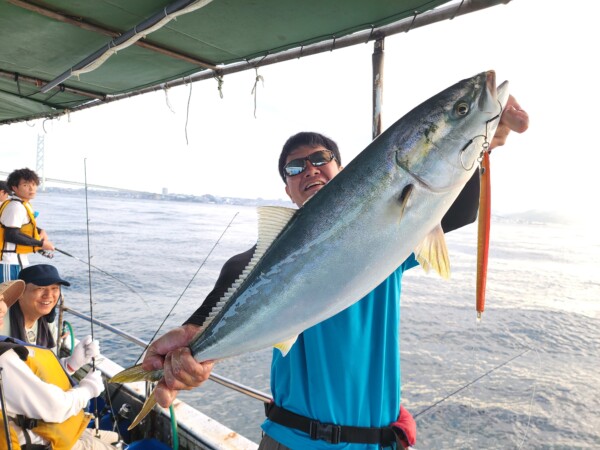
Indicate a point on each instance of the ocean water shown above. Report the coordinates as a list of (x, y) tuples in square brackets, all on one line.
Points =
[(535, 354)]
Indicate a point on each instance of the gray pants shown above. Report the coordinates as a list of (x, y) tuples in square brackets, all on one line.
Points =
[(268, 443)]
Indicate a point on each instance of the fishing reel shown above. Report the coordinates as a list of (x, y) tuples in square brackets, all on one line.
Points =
[(46, 254)]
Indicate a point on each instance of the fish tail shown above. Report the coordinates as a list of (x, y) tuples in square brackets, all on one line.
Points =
[(136, 373), (148, 405)]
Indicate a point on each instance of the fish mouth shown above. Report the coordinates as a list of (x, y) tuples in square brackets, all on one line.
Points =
[(489, 98)]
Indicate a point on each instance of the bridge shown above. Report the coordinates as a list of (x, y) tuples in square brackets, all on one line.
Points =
[(39, 169), (44, 180)]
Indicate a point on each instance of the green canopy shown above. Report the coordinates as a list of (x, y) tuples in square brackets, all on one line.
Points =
[(43, 46)]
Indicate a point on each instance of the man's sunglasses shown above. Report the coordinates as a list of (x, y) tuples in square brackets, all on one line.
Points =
[(317, 159)]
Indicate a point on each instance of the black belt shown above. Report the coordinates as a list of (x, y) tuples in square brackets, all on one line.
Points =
[(328, 432)]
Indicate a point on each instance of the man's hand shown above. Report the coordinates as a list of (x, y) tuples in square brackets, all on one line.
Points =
[(46, 244), (513, 119), (181, 371)]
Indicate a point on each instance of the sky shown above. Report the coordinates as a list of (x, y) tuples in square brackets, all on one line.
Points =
[(546, 51)]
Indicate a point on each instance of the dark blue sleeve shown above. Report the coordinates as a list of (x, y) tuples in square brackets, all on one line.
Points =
[(464, 209), (230, 272)]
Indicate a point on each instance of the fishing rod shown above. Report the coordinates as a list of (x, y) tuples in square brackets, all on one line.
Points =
[(87, 263), (470, 383), (187, 286), (87, 227), (220, 380)]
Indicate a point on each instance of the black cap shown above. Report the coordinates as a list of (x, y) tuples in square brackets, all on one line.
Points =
[(42, 275)]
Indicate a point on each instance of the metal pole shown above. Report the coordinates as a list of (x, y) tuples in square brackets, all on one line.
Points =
[(4, 413), (378, 57)]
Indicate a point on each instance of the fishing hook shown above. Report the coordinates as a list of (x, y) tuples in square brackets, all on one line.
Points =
[(492, 119), (484, 146)]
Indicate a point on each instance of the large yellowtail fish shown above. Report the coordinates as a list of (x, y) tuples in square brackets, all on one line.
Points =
[(313, 262)]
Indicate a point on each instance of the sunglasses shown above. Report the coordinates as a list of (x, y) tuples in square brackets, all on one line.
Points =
[(317, 159)]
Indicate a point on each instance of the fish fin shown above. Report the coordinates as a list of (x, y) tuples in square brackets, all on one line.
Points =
[(148, 405), (136, 373), (404, 198), (271, 220), (285, 346), (432, 253)]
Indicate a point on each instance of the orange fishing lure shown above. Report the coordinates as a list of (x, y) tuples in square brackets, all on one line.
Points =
[(483, 234)]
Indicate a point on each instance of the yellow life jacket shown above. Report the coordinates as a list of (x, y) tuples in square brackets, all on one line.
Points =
[(29, 229), (62, 436), (13, 435)]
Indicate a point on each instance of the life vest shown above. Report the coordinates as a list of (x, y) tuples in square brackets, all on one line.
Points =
[(62, 436), (13, 435), (29, 229)]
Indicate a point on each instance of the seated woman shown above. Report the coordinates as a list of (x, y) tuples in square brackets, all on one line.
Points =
[(32, 318)]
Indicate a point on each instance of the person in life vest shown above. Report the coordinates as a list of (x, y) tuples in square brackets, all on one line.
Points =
[(4, 191), (44, 409), (32, 318), (19, 233)]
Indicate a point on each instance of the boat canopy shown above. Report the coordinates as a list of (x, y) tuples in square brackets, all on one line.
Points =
[(58, 56)]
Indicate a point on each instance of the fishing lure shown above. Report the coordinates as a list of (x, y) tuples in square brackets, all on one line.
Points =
[(483, 234)]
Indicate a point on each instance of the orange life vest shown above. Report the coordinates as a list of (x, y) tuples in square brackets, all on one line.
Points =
[(62, 436), (29, 229), (13, 435)]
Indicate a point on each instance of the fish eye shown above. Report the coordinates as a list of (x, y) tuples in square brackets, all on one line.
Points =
[(461, 108)]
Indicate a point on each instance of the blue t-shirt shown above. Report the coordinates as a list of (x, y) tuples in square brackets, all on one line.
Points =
[(345, 370)]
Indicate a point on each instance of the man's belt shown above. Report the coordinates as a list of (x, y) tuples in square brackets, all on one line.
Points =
[(328, 432)]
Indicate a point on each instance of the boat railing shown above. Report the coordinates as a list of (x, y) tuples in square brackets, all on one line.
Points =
[(231, 384)]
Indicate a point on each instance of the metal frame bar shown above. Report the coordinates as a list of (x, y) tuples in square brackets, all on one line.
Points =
[(437, 15), (85, 25)]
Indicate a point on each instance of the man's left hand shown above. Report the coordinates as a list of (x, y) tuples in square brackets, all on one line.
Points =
[(513, 118)]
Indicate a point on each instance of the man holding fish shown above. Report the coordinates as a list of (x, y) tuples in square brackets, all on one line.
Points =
[(338, 381)]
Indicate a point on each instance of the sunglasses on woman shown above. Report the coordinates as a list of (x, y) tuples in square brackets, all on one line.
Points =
[(317, 159)]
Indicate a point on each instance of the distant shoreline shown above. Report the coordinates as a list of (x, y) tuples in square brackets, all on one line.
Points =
[(530, 216), (206, 198)]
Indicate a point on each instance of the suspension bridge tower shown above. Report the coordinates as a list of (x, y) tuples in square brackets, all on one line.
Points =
[(39, 161)]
